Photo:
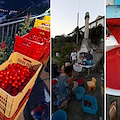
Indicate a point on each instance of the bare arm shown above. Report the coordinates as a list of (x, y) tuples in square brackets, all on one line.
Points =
[(70, 81)]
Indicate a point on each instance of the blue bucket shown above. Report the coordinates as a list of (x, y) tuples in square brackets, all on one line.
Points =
[(59, 115), (79, 92)]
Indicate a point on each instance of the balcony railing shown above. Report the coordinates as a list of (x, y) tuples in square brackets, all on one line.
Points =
[(10, 29)]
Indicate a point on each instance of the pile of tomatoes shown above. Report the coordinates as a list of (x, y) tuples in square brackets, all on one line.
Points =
[(15, 77), (38, 38)]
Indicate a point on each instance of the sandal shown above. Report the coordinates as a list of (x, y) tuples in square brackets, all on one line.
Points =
[(113, 107)]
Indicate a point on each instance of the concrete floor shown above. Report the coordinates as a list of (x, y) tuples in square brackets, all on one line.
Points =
[(74, 107), (110, 99)]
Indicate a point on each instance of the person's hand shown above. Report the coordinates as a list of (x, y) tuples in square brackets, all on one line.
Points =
[(72, 78)]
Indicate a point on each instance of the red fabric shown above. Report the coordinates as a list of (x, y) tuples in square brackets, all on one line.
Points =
[(54, 82)]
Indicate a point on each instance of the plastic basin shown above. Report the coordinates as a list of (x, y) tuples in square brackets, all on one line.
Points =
[(59, 115), (79, 92), (59, 70), (89, 109), (80, 82), (89, 63)]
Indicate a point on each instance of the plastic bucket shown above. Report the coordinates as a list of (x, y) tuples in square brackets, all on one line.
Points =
[(59, 115), (79, 92)]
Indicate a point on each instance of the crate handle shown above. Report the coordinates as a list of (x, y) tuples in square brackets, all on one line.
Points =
[(27, 60), (26, 43)]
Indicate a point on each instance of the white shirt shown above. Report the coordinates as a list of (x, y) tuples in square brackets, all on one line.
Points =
[(73, 55)]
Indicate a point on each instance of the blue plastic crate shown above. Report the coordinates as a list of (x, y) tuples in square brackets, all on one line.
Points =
[(79, 92), (59, 115), (93, 109)]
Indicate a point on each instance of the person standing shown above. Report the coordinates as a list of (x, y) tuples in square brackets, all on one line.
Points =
[(73, 57)]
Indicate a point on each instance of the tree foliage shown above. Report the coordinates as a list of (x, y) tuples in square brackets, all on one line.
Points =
[(64, 45), (96, 34)]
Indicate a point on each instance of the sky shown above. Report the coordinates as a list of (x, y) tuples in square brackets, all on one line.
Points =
[(64, 14)]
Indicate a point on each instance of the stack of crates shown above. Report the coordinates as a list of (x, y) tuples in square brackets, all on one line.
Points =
[(35, 44), (28, 51)]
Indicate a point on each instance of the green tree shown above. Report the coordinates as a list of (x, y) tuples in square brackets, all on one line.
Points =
[(96, 34)]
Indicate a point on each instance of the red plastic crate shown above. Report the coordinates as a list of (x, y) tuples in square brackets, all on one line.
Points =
[(34, 48)]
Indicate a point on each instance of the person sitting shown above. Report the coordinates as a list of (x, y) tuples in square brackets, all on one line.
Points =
[(89, 58), (65, 83)]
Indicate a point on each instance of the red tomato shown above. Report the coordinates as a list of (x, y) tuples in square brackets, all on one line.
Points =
[(22, 79), (27, 74), (20, 88), (8, 90), (1, 75), (14, 78), (14, 91), (18, 71), (5, 81), (13, 69), (15, 74), (26, 67), (17, 65), (19, 83), (15, 81), (8, 71), (7, 77), (2, 84), (22, 76), (14, 64), (10, 76), (18, 77), (1, 79), (13, 84), (23, 73), (4, 73), (16, 86), (10, 81), (1, 72)]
